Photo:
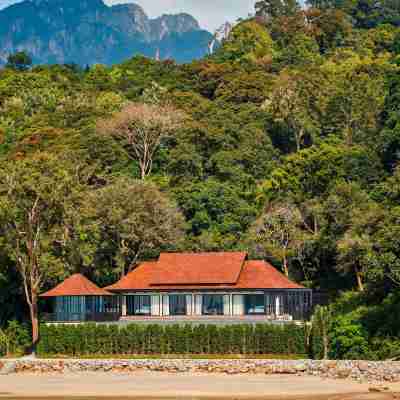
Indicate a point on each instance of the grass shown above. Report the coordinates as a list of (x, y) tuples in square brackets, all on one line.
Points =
[(180, 356)]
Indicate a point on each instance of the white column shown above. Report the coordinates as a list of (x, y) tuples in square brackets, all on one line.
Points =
[(155, 304), (198, 304), (189, 303), (277, 305), (165, 301), (123, 305), (238, 304), (227, 308)]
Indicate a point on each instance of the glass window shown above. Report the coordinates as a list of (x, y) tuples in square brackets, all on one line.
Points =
[(255, 304), (138, 305), (213, 304), (177, 304), (70, 304), (111, 304), (94, 304), (70, 308)]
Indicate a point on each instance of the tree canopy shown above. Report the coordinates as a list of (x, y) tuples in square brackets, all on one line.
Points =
[(290, 129)]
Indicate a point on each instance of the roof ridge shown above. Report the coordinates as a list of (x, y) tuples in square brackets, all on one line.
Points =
[(76, 284), (194, 253)]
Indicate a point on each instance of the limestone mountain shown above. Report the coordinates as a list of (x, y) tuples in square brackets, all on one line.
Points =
[(89, 32)]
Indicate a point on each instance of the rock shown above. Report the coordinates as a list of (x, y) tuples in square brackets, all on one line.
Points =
[(363, 366), (259, 370), (9, 367), (331, 364), (344, 373), (376, 389), (301, 367), (269, 370), (360, 371), (231, 372)]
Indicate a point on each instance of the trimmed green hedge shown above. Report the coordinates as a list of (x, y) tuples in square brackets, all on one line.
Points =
[(134, 339)]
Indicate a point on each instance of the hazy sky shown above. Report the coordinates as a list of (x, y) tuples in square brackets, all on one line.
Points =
[(210, 13)]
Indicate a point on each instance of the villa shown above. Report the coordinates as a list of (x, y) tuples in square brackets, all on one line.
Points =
[(186, 287)]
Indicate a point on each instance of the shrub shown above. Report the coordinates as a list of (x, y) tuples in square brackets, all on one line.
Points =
[(349, 339), (385, 348), (92, 339), (14, 339)]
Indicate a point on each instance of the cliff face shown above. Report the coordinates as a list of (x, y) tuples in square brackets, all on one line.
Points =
[(88, 32)]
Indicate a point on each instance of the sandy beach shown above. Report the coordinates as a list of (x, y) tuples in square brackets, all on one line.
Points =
[(152, 385)]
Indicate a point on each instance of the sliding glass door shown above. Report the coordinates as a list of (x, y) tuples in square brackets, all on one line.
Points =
[(213, 304), (254, 304), (138, 305), (177, 304)]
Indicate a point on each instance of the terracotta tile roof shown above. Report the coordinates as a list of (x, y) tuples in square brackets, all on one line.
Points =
[(262, 275), (76, 285), (138, 279), (198, 268), (254, 275)]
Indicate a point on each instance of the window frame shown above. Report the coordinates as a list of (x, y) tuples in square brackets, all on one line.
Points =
[(219, 306), (171, 299), (139, 301), (248, 306)]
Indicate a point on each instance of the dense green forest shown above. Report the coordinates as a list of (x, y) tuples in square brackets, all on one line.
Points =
[(285, 142)]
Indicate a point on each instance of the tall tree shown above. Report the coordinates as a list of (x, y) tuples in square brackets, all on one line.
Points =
[(280, 232), (276, 8), (294, 103), (352, 217), (357, 96), (131, 219), (33, 208), (142, 127)]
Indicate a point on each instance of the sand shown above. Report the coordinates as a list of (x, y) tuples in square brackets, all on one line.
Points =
[(158, 385)]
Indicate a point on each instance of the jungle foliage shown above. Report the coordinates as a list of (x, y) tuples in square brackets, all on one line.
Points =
[(290, 130)]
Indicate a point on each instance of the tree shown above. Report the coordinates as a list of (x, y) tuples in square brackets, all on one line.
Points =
[(217, 213), (293, 103), (357, 94), (248, 41), (352, 249), (380, 249), (353, 218), (321, 323), (131, 219), (312, 172), (276, 8), (142, 127), (20, 61), (33, 209), (281, 233), (364, 13), (330, 27)]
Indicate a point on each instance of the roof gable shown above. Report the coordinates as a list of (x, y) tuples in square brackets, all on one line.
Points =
[(198, 268), (76, 285)]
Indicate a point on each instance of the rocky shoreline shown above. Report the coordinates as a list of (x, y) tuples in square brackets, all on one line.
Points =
[(362, 371)]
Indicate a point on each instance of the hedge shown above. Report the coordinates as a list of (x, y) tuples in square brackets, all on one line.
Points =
[(134, 339)]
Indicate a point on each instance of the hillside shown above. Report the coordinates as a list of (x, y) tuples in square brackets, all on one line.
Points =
[(285, 142), (89, 32)]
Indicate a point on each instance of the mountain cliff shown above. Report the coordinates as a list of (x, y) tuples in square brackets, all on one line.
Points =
[(89, 32)]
